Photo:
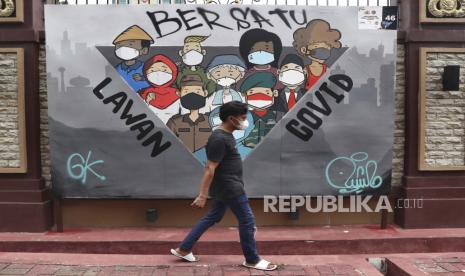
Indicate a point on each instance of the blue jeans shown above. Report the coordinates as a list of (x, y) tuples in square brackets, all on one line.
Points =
[(241, 209)]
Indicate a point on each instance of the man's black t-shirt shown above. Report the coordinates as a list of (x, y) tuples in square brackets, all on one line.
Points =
[(227, 182)]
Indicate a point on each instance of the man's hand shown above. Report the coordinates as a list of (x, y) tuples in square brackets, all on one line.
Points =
[(199, 201)]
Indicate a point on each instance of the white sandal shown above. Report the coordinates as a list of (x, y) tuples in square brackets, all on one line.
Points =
[(189, 257), (261, 265)]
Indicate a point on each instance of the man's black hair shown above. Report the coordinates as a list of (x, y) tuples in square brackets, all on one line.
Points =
[(233, 108), (248, 40)]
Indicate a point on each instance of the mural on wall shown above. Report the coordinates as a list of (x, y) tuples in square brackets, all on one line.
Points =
[(133, 100)]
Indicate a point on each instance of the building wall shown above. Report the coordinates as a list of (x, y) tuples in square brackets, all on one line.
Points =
[(445, 113), (82, 213), (9, 142), (399, 119), (44, 145)]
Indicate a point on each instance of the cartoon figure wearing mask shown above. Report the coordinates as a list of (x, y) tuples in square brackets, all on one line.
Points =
[(315, 41), (130, 45), (292, 76), (192, 55), (193, 128), (160, 72), (259, 92), (260, 50), (239, 135), (225, 71)]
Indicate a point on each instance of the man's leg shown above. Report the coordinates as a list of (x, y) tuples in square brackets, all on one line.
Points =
[(214, 215), (241, 209)]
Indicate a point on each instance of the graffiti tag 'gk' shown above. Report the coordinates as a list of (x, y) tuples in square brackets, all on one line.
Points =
[(78, 166)]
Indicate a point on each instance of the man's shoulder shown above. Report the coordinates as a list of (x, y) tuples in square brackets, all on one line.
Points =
[(218, 135)]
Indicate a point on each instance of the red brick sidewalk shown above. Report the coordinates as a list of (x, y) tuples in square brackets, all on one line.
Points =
[(216, 265), (162, 270), (429, 265), (166, 265)]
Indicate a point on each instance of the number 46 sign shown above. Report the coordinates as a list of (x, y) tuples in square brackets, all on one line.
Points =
[(375, 18)]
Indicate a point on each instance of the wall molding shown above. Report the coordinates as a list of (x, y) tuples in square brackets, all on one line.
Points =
[(425, 19), (19, 12)]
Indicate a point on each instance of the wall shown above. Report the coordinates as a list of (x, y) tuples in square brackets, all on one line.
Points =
[(112, 213), (399, 120), (9, 142), (445, 113)]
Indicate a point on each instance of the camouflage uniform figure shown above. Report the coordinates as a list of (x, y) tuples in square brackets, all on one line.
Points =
[(259, 93)]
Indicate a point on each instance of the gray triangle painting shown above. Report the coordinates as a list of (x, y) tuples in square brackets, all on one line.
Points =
[(134, 93)]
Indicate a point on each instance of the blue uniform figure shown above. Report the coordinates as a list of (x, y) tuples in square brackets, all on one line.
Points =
[(130, 45), (239, 135), (128, 73)]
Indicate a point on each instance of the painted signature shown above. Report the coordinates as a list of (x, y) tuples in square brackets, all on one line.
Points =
[(363, 174), (78, 166)]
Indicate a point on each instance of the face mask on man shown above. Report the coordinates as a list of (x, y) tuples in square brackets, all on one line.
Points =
[(159, 77), (240, 124), (126, 53), (292, 77), (259, 100), (192, 58), (226, 81), (192, 101), (320, 53), (261, 57)]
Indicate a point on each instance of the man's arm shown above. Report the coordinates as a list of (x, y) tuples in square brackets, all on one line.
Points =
[(205, 183)]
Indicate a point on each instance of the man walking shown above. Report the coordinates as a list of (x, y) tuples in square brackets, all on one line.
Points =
[(222, 178)]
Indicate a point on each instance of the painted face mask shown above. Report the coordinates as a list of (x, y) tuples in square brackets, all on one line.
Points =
[(192, 101), (126, 53), (292, 77), (159, 77), (192, 58), (226, 81), (261, 57), (320, 53), (259, 100)]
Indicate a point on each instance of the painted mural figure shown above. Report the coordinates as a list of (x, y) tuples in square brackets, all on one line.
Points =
[(130, 45), (315, 41), (192, 55), (161, 72), (260, 50), (292, 76), (193, 129), (259, 91), (225, 71)]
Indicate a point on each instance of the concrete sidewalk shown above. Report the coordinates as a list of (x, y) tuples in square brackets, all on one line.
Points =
[(165, 265)]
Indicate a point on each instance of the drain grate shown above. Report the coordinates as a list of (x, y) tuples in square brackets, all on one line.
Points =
[(379, 263)]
